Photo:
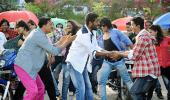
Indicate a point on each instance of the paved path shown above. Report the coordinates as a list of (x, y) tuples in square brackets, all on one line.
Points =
[(112, 94)]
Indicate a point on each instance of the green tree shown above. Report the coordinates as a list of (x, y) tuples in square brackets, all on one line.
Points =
[(34, 8), (98, 8)]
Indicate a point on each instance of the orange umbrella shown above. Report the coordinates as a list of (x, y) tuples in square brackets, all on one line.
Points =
[(14, 16), (121, 23)]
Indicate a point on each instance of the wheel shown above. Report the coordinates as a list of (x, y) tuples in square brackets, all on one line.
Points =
[(123, 92), (5, 94)]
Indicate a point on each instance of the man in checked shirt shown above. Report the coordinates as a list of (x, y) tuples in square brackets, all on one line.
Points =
[(146, 67)]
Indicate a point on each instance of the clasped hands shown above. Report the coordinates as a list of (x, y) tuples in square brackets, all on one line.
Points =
[(114, 55)]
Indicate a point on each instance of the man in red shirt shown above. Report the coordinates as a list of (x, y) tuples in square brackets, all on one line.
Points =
[(146, 68), (4, 27)]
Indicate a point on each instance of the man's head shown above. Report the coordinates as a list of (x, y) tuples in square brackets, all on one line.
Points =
[(137, 24), (31, 24), (91, 20), (45, 24), (22, 26), (4, 24), (106, 24)]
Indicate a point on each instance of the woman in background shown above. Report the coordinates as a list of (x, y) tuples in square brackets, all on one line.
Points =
[(72, 29)]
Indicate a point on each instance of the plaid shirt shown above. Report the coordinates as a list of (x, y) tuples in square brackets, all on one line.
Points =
[(145, 56)]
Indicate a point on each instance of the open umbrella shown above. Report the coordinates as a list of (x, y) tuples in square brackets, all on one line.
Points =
[(59, 20), (14, 16), (121, 23), (163, 21)]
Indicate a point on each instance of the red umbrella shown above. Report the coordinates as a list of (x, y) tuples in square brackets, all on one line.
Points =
[(14, 16), (121, 23)]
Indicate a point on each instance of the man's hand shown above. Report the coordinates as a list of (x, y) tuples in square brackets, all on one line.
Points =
[(114, 55), (65, 40)]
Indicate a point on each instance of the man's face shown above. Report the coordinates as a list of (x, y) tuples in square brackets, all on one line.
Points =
[(94, 25), (134, 27), (49, 27), (20, 30)]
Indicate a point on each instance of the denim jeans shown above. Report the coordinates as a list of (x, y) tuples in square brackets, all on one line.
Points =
[(66, 81), (141, 87), (158, 87), (104, 72), (96, 65), (82, 83)]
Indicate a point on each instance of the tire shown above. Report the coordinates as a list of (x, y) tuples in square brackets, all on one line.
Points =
[(2, 90)]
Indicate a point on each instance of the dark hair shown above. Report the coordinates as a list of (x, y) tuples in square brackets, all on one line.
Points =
[(75, 27), (159, 36), (4, 21), (139, 21), (106, 22), (91, 17), (23, 24), (60, 24), (43, 21), (31, 22), (114, 25)]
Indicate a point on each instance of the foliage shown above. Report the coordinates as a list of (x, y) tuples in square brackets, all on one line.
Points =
[(98, 8), (34, 8)]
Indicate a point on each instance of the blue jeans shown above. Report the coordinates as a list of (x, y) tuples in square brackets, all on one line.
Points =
[(96, 65), (104, 72), (158, 87), (66, 81), (82, 83), (142, 86)]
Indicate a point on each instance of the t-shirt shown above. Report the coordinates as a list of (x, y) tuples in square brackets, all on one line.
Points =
[(2, 40)]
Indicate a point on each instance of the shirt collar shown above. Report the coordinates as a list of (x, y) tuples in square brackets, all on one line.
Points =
[(143, 32), (88, 29)]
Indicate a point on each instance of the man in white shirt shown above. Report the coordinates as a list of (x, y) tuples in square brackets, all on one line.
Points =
[(79, 57), (2, 41)]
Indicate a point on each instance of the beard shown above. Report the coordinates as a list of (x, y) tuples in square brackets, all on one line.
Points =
[(94, 28)]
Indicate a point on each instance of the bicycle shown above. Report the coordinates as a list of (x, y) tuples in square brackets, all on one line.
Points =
[(116, 82)]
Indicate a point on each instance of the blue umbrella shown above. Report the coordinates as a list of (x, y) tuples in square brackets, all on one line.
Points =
[(163, 21)]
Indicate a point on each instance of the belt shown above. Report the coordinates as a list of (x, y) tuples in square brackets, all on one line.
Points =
[(113, 61)]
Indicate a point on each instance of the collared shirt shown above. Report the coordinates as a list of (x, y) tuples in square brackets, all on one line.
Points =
[(2, 40), (145, 56), (82, 48), (32, 53)]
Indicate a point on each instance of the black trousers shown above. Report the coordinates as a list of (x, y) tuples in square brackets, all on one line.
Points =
[(46, 78)]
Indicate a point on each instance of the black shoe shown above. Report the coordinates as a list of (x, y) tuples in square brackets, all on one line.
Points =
[(160, 96)]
